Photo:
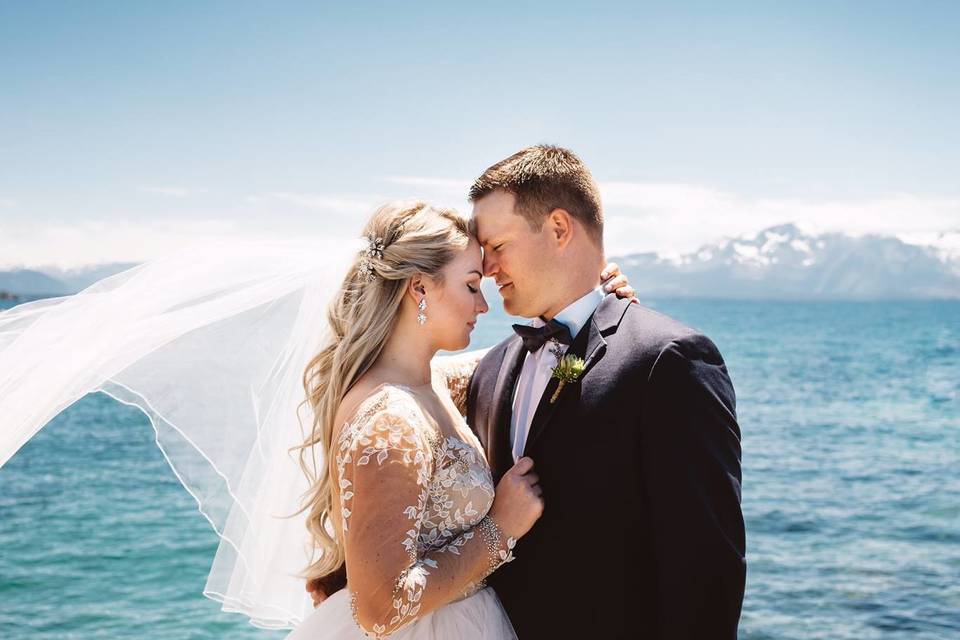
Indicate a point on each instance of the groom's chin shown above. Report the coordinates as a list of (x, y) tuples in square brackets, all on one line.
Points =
[(511, 307), (508, 305)]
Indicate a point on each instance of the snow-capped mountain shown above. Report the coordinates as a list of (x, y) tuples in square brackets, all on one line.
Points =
[(945, 244), (782, 262)]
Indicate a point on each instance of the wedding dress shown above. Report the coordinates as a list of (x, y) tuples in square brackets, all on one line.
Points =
[(413, 499)]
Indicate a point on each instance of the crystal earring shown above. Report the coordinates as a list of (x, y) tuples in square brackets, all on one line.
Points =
[(422, 317)]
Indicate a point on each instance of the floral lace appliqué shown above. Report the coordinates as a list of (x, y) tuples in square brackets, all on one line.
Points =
[(449, 487)]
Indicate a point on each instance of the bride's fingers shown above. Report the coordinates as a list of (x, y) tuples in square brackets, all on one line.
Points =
[(523, 465), (531, 478), (612, 269), (616, 283)]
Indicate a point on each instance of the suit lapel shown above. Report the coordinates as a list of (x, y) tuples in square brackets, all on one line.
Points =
[(500, 454), (589, 345)]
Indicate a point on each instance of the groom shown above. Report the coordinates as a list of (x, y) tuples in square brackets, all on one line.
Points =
[(642, 535)]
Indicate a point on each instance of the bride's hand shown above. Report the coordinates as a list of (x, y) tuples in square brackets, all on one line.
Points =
[(316, 591), (321, 588), (613, 280), (518, 501)]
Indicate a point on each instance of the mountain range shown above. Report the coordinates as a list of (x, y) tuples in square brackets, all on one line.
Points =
[(40, 282), (783, 262), (780, 262)]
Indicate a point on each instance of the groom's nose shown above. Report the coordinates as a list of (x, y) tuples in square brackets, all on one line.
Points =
[(488, 264)]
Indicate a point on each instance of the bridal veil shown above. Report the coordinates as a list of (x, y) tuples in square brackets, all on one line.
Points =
[(210, 343)]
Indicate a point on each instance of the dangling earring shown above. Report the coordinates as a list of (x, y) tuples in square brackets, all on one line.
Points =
[(422, 317)]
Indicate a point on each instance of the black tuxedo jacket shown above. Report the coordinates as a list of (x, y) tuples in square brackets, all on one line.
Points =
[(642, 534)]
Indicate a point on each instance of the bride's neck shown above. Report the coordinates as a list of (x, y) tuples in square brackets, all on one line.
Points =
[(406, 357)]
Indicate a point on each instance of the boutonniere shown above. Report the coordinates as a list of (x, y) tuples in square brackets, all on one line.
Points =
[(568, 369)]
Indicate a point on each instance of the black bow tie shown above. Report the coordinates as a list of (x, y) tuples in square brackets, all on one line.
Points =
[(535, 337)]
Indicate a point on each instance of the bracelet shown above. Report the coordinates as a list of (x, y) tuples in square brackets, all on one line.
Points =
[(494, 538)]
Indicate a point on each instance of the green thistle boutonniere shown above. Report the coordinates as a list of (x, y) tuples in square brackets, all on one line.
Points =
[(568, 369)]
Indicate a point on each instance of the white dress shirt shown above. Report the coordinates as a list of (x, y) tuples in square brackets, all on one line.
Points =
[(538, 368)]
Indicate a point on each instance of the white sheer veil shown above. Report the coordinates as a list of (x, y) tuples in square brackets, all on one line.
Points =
[(211, 343)]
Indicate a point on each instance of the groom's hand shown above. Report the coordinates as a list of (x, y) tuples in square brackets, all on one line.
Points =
[(614, 281)]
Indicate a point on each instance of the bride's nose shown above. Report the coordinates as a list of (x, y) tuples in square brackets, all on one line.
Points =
[(482, 306)]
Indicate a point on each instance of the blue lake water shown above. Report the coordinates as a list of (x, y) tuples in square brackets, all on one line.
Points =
[(850, 415)]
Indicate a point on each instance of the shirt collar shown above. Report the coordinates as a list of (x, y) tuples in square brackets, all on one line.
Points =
[(576, 314)]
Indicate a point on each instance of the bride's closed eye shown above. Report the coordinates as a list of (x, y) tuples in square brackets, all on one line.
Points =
[(472, 288)]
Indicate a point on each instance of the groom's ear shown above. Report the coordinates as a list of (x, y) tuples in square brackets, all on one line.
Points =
[(559, 224)]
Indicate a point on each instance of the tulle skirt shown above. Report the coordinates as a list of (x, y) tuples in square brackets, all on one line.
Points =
[(477, 617)]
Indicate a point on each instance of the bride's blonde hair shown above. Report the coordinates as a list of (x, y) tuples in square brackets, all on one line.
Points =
[(417, 239)]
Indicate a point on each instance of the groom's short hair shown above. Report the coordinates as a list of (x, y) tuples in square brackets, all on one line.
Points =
[(543, 178)]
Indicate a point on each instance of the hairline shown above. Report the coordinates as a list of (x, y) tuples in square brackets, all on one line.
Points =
[(594, 233)]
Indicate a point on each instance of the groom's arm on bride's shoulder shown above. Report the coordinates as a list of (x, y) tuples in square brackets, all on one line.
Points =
[(690, 461), (455, 372)]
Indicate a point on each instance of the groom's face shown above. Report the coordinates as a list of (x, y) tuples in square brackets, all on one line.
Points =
[(514, 255)]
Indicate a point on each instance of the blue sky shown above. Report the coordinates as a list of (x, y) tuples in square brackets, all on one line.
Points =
[(128, 128)]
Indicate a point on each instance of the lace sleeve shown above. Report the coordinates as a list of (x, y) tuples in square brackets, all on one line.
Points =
[(385, 461), (455, 372)]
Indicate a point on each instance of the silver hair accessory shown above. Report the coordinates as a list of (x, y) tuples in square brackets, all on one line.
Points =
[(375, 247), (374, 250)]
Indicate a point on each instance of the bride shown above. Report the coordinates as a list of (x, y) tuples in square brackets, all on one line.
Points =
[(217, 344), (415, 518)]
